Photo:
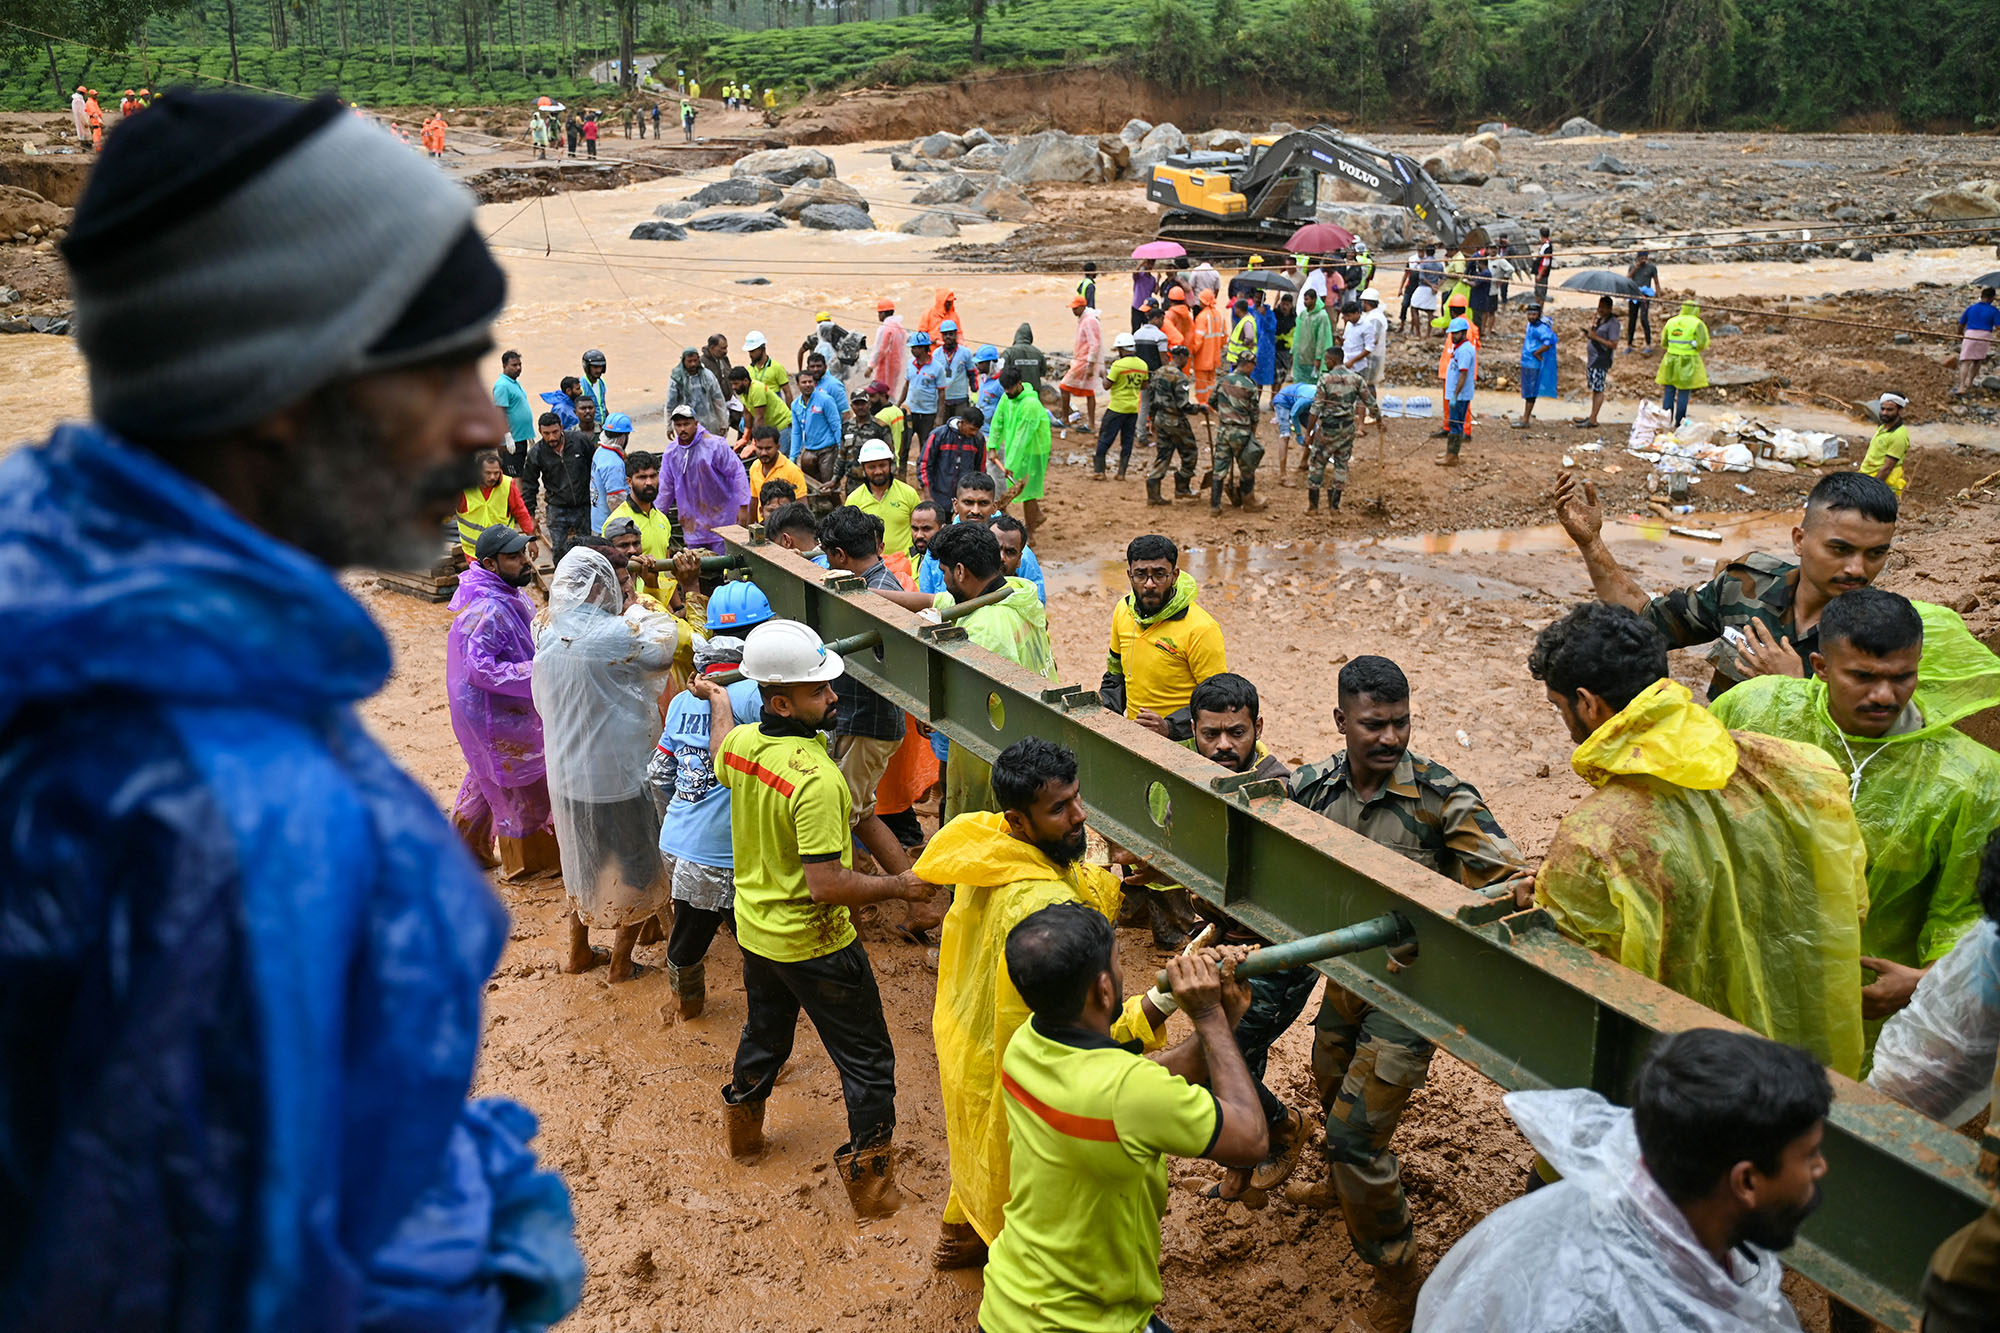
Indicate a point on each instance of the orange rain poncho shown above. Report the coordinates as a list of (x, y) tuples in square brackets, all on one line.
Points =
[(1211, 330), (1726, 865), (944, 306), (1000, 882)]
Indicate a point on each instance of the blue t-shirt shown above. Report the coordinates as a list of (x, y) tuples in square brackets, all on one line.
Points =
[(925, 381), (815, 424), (838, 392), (696, 827), (989, 397), (511, 398), (956, 372), (1458, 381), (607, 484), (1981, 317), (930, 575)]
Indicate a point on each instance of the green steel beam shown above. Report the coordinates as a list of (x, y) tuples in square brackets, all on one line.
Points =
[(1498, 988)]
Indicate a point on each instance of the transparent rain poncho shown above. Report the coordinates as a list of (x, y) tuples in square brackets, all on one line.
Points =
[(1603, 1248), (1937, 1054), (596, 688)]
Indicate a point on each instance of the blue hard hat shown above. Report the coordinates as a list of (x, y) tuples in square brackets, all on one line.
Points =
[(736, 607), (920, 339), (1457, 326), (949, 326), (618, 424), (988, 352)]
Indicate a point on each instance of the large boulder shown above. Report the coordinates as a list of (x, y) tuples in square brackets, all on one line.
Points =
[(786, 166), (736, 224), (1467, 162), (738, 190), (1055, 156), (1002, 201), (1383, 226), (676, 212), (1117, 150), (807, 193), (1576, 127), (1967, 199), (986, 157), (836, 217), (1134, 130), (1224, 141), (904, 162), (658, 231), (933, 222), (1161, 142), (978, 136), (947, 190), (940, 146)]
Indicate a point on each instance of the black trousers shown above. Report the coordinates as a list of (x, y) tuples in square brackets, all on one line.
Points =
[(905, 826), (838, 993), (1119, 426), (692, 932), (920, 425), (1638, 315), (566, 526)]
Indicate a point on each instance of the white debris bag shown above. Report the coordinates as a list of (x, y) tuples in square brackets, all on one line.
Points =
[(1419, 405), (1647, 423), (1936, 1054)]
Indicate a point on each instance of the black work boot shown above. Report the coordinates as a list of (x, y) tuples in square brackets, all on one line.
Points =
[(1215, 498), (1252, 502), (1312, 500), (1333, 499), (1182, 489), (1153, 496)]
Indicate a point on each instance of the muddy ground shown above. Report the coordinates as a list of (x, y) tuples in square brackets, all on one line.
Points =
[(1450, 574)]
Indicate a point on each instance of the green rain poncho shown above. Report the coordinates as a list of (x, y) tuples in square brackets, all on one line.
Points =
[(1727, 866), (1927, 800)]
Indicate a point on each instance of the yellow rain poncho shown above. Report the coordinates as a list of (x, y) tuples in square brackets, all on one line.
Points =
[(1927, 799), (1727, 866), (1000, 881)]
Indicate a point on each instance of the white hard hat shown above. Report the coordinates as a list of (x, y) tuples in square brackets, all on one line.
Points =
[(1372, 295), (752, 341), (785, 652), (876, 451), (1123, 340)]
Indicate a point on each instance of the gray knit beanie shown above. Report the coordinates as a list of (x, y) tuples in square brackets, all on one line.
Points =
[(233, 254)]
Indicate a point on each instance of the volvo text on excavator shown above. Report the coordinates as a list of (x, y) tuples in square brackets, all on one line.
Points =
[(1258, 198)]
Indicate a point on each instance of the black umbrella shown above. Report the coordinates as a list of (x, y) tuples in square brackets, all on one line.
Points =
[(1990, 280), (1603, 282), (1270, 282)]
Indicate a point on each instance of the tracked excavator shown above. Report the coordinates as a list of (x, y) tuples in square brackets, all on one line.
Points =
[(1258, 198)]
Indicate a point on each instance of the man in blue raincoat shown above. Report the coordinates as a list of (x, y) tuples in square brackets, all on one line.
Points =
[(1538, 362), (1266, 370), (242, 953)]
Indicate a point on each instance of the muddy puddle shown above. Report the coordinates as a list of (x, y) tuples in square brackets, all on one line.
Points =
[(1477, 562)]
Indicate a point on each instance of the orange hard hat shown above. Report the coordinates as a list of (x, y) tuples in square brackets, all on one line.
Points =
[(885, 306), (1077, 302), (1176, 294), (128, 92)]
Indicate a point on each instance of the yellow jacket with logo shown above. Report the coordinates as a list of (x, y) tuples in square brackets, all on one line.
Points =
[(1162, 657)]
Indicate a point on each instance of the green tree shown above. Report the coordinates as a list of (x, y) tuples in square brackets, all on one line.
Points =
[(111, 24), (1455, 55), (970, 11), (1173, 47), (1690, 49)]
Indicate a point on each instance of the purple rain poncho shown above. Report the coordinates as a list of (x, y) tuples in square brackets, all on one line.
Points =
[(704, 480), (489, 665)]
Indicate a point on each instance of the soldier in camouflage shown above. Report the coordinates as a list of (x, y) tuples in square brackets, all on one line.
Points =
[(1169, 399), (1330, 428), (1235, 402), (1365, 1063)]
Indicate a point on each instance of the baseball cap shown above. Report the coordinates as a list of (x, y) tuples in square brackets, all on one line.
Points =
[(877, 386), (876, 451), (618, 527), (499, 539), (684, 411)]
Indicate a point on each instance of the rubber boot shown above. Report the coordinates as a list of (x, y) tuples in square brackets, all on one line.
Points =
[(1215, 498), (870, 1177), (1153, 492), (1123, 463), (1168, 937), (958, 1246), (1252, 502), (689, 985), (1333, 499), (1182, 489), (744, 1122), (1312, 501)]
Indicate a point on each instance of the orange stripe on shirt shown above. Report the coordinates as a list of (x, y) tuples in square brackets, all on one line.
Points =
[(761, 773), (1063, 1122)]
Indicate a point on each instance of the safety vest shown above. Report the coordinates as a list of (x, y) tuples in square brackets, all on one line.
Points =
[(1243, 338), (1680, 336), (484, 511)]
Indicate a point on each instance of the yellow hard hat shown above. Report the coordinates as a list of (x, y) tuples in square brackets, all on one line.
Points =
[(1256, 261)]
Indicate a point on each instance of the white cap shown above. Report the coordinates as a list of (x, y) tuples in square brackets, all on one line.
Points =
[(876, 451), (785, 652), (1372, 295), (752, 341), (1123, 340)]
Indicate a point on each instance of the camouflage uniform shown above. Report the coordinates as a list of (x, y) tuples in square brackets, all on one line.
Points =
[(1756, 587), (1365, 1063), (1235, 400), (1167, 396), (1340, 389)]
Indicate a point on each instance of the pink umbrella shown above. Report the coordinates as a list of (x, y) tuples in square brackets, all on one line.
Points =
[(1318, 238), (1159, 250)]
